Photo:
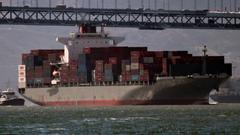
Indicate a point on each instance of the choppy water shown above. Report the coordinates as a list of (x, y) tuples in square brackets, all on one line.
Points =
[(139, 120)]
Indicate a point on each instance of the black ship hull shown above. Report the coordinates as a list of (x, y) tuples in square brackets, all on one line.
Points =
[(13, 102)]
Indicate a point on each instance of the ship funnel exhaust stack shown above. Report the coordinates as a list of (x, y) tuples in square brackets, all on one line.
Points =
[(87, 28)]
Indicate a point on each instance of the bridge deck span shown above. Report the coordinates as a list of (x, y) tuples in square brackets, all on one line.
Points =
[(145, 19)]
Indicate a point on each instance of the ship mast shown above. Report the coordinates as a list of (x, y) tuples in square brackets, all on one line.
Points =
[(204, 66)]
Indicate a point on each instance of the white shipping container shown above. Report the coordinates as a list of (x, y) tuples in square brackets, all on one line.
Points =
[(21, 79), (21, 84), (128, 67), (21, 68), (21, 74), (134, 66)]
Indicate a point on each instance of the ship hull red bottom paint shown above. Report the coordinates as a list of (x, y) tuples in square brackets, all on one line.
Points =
[(124, 102), (167, 90)]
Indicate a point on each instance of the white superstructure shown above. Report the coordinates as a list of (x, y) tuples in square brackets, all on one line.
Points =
[(74, 44)]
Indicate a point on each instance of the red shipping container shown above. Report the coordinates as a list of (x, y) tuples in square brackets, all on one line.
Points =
[(64, 80), (25, 56), (64, 77), (99, 66), (38, 68), (99, 69), (176, 60), (52, 57), (125, 78), (134, 59), (38, 74), (73, 63), (72, 72), (113, 60), (135, 54), (64, 67), (134, 72), (98, 79), (73, 67), (99, 74), (65, 73), (46, 63), (30, 73), (165, 66), (126, 73), (87, 50), (73, 79), (141, 66), (35, 52), (108, 66), (99, 62)]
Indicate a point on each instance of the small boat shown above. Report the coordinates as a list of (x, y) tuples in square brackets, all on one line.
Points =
[(8, 97)]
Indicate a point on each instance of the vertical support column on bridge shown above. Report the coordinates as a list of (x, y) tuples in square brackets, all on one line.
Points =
[(63, 2), (17, 3), (115, 3), (208, 4), (129, 4), (149, 4), (10, 3), (36, 3), (195, 4), (221, 5), (230, 3), (89, 3), (215, 5), (181, 4), (142, 5), (50, 3), (163, 4), (168, 4), (76, 3), (155, 4), (24, 3), (102, 3), (97, 4), (235, 5)]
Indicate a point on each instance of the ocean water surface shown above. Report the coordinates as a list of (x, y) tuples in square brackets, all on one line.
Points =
[(222, 119)]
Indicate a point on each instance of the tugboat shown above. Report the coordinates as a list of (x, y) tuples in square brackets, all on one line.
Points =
[(8, 97)]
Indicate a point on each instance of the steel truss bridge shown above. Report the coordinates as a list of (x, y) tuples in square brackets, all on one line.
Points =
[(139, 18)]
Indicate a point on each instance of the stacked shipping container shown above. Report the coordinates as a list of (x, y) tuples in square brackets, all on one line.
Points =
[(118, 64), (38, 66)]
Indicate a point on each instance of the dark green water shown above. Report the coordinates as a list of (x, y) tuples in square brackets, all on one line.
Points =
[(139, 120)]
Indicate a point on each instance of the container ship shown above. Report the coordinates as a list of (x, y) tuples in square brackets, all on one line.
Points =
[(92, 70)]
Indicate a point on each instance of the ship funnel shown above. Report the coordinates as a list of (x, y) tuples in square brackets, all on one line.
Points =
[(87, 28)]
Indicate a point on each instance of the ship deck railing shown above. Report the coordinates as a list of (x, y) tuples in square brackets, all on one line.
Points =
[(111, 83), (129, 83)]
